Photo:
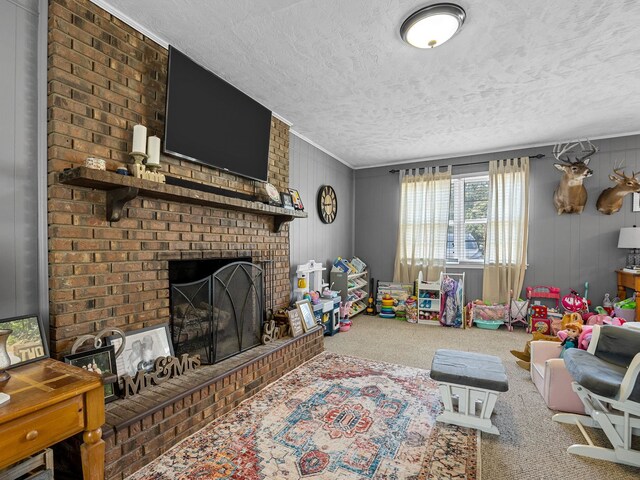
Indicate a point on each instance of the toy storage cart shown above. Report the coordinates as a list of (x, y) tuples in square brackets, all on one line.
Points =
[(541, 292)]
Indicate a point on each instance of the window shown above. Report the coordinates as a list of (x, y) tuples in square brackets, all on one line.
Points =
[(468, 203)]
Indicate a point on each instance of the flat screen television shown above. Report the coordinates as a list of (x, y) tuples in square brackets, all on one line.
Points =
[(209, 121)]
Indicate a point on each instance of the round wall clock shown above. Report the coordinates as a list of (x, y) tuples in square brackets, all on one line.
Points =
[(327, 204)]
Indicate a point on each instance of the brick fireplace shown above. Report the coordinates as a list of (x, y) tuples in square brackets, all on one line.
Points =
[(103, 78)]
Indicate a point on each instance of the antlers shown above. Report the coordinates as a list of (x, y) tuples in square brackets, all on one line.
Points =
[(561, 149), (621, 175)]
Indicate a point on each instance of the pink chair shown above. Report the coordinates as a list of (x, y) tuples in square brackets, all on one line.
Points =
[(551, 378)]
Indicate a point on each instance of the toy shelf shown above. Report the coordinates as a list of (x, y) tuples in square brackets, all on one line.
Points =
[(428, 294), (353, 287)]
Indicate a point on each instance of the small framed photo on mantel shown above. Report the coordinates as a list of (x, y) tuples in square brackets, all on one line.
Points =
[(287, 201), (295, 197)]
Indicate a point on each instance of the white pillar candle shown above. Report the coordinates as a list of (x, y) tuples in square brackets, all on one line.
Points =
[(139, 139), (153, 150)]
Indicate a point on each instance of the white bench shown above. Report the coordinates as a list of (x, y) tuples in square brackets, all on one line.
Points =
[(469, 383)]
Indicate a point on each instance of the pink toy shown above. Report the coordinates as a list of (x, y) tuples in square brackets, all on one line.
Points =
[(585, 337), (315, 297), (344, 309), (598, 320)]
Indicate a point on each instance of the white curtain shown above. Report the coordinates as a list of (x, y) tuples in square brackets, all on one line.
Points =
[(505, 258), (424, 219)]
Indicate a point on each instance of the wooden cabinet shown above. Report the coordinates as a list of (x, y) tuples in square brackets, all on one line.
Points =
[(51, 401)]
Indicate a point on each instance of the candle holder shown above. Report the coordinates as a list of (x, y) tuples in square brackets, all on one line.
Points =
[(153, 174), (137, 167), (138, 157)]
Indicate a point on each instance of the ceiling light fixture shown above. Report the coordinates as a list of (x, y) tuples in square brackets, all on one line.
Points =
[(431, 26)]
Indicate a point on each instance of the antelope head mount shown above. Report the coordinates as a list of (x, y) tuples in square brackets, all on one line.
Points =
[(570, 195), (610, 200)]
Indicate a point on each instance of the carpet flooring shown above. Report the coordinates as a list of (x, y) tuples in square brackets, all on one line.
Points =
[(530, 445), (336, 417)]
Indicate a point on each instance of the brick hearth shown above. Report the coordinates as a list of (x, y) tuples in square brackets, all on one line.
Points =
[(182, 406)]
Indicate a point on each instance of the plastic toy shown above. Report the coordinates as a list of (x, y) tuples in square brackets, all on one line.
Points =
[(371, 309), (542, 292), (386, 310), (315, 297), (607, 304), (345, 307)]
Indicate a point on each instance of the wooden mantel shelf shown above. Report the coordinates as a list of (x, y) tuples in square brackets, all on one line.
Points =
[(123, 188)]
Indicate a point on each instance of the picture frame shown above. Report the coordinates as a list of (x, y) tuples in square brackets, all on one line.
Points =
[(295, 198), (104, 360), (27, 341), (287, 201), (635, 204), (306, 314), (295, 322), (142, 348)]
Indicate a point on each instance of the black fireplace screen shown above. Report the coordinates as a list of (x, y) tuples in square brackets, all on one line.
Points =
[(220, 315)]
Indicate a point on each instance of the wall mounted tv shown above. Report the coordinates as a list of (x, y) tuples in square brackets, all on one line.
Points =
[(211, 122)]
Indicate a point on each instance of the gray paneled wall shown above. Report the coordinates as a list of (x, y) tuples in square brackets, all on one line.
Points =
[(310, 239), (18, 158), (564, 250)]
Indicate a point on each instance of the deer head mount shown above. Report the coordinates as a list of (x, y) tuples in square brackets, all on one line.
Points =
[(570, 195), (610, 200)]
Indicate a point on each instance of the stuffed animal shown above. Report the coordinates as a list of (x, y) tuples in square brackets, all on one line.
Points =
[(524, 357), (568, 318), (573, 330)]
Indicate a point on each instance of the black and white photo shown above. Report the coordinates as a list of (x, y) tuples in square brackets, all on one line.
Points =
[(142, 348)]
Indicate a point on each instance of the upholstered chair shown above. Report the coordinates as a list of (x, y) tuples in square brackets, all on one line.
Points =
[(552, 379)]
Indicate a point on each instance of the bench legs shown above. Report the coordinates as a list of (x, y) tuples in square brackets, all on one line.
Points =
[(460, 406)]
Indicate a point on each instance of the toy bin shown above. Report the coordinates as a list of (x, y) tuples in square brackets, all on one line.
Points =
[(629, 315), (489, 324)]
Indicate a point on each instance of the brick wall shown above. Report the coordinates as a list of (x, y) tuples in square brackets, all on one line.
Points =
[(103, 78)]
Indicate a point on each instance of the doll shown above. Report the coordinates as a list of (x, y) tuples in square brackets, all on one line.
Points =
[(573, 330)]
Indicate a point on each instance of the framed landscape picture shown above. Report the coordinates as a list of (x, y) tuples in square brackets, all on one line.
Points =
[(142, 347), (100, 360), (26, 343)]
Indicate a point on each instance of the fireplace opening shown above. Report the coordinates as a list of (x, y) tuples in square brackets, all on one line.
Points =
[(217, 307)]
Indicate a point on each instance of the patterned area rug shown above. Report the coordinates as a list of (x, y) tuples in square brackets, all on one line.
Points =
[(335, 417)]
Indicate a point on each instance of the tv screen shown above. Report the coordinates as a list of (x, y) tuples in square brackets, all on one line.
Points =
[(211, 122)]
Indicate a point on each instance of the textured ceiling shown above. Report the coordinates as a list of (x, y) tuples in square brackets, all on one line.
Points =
[(520, 73)]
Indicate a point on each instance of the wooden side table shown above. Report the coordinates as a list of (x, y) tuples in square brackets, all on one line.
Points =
[(632, 281), (51, 401)]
